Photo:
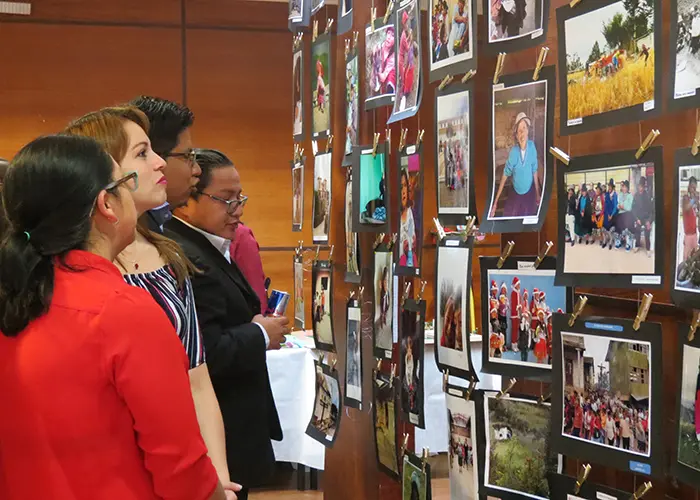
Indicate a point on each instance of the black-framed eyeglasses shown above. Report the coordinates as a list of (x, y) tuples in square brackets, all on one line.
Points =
[(189, 156), (232, 205), (131, 186)]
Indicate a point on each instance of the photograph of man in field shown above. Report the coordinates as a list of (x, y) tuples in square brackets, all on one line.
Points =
[(610, 58)]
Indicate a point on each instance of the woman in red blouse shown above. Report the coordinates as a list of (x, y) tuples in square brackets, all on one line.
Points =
[(96, 400)]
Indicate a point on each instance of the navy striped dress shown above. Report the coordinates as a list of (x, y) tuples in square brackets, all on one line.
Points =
[(178, 305)]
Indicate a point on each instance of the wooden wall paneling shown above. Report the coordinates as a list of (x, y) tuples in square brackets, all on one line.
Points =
[(246, 15), (60, 72)]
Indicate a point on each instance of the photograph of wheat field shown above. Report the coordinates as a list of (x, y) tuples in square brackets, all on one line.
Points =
[(610, 58)]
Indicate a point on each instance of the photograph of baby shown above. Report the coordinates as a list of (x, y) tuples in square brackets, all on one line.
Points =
[(687, 275), (321, 86), (687, 49), (316, 5), (607, 391), (352, 243), (299, 293), (610, 220), (380, 64), (326, 405), (463, 459), (453, 159), (372, 189), (297, 195), (383, 295), (409, 60), (353, 365), (511, 19), (411, 216), (322, 198), (521, 304), (519, 146), (517, 450), (451, 36), (295, 10), (385, 425), (322, 307), (451, 326), (411, 339), (297, 86), (351, 104), (414, 481), (689, 421), (609, 59)]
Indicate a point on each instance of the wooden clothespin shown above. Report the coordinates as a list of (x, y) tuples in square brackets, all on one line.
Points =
[(424, 461), (402, 139), (643, 311), (559, 155), (574, 3), (375, 143), (578, 309), (372, 18), (352, 295), (333, 363), (641, 491), (406, 291), (543, 398), (422, 289), (419, 138), (389, 10), (445, 378), (361, 292), (694, 325), (329, 143), (393, 375), (547, 247), (387, 134), (647, 143), (355, 38), (329, 25), (505, 254), (540, 62), (505, 391), (472, 386), (696, 141), (500, 62), (320, 358), (392, 241), (468, 75), (300, 249), (314, 33), (379, 365), (379, 239), (404, 444), (347, 47), (469, 227), (440, 230), (445, 82), (330, 253), (297, 41), (582, 476)]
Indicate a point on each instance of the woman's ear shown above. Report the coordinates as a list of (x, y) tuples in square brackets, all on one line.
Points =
[(104, 205)]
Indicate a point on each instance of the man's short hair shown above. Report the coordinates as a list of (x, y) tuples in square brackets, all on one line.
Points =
[(209, 160), (168, 120)]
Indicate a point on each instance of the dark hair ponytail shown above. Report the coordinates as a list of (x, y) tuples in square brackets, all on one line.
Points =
[(49, 193)]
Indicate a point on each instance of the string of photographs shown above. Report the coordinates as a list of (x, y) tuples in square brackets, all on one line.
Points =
[(606, 392), (411, 361), (352, 241), (370, 190), (521, 171), (385, 420), (352, 97), (514, 24), (609, 69), (685, 56), (462, 453), (611, 227), (321, 86), (415, 481), (452, 37), (321, 221), (298, 93), (299, 317), (452, 316), (322, 305), (454, 155), (382, 332), (297, 166), (517, 303), (353, 355), (325, 420), (410, 214), (409, 70)]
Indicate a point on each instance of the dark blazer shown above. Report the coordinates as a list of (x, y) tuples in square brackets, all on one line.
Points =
[(236, 357)]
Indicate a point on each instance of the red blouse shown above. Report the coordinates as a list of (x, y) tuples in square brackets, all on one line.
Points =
[(95, 398)]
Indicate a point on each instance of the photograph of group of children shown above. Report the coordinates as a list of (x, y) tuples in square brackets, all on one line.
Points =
[(462, 455), (380, 66), (513, 19), (411, 213), (451, 36)]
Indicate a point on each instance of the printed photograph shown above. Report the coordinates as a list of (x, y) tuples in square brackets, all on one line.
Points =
[(322, 306), (689, 422), (687, 49), (411, 218), (409, 60), (609, 223), (321, 87), (452, 328), (517, 446), (316, 5), (372, 189), (385, 425), (322, 198), (297, 196), (414, 482), (453, 153), (295, 10), (519, 148), (462, 456), (345, 7), (327, 404), (451, 37), (351, 104), (411, 339), (687, 267), (521, 304), (383, 295), (299, 293), (297, 91), (510, 19), (380, 63), (610, 58), (607, 391), (352, 244), (353, 367)]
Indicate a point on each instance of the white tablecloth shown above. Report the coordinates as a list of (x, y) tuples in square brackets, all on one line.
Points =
[(434, 436), (293, 380)]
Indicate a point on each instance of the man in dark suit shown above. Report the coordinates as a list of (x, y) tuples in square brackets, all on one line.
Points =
[(236, 336)]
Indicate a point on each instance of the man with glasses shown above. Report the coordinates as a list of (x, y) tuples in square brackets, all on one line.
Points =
[(235, 334)]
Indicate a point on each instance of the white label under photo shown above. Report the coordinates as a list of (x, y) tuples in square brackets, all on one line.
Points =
[(683, 95), (574, 122), (537, 33), (452, 243), (649, 105), (646, 280), (603, 496), (522, 266), (410, 150)]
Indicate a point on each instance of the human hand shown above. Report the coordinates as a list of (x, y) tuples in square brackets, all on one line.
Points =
[(276, 328), (231, 489)]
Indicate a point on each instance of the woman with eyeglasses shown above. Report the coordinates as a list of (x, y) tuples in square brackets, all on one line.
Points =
[(156, 263), (95, 394)]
